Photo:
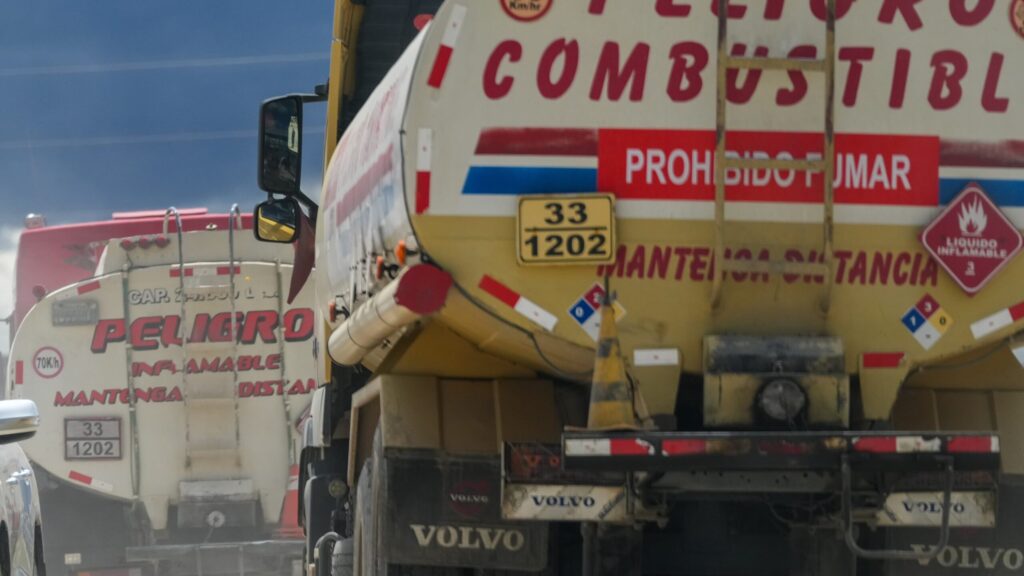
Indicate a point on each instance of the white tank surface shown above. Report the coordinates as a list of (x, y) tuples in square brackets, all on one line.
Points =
[(175, 377)]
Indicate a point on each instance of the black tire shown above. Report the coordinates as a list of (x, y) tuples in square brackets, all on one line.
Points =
[(5, 551), (38, 558)]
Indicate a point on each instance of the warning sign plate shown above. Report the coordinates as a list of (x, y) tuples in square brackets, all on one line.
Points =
[(972, 239)]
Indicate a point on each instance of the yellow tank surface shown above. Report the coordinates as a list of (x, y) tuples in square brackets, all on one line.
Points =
[(497, 142)]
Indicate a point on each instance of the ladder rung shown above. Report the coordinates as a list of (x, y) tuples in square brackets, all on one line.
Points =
[(210, 401), (774, 164), (777, 267), (214, 454), (206, 289), (805, 64)]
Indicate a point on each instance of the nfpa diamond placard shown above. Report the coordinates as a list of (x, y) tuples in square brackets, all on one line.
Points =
[(585, 311), (972, 239)]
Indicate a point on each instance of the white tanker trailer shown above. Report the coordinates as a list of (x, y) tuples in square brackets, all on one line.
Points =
[(170, 385)]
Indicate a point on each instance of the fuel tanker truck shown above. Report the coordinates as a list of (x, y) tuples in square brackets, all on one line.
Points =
[(170, 382), (663, 287)]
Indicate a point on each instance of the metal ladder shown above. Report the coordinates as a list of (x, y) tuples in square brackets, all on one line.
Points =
[(825, 165), (212, 435)]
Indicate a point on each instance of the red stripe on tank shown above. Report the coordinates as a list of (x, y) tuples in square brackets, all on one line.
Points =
[(499, 290), (538, 142)]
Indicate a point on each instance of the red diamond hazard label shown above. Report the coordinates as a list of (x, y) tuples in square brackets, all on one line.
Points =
[(972, 239)]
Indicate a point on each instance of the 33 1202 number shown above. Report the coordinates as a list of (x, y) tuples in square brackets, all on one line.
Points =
[(560, 245), (93, 449)]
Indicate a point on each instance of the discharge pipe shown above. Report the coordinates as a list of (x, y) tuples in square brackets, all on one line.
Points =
[(419, 291)]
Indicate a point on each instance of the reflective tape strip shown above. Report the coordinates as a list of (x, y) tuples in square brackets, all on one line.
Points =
[(88, 287), (897, 444), (683, 447), (656, 357), (19, 372), (518, 302), (881, 445), (997, 321), (495, 288), (609, 447), (538, 315), (226, 270), (588, 447), (423, 160), (176, 272), (915, 444), (973, 444), (631, 447), (882, 359), (90, 481), (447, 47)]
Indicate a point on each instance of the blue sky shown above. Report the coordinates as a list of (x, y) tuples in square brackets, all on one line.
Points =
[(120, 104)]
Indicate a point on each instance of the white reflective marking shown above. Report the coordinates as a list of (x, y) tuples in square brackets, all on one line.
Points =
[(656, 357), (451, 33), (535, 313), (588, 447), (906, 444), (988, 325), (425, 151)]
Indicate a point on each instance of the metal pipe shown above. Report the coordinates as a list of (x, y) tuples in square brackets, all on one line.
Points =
[(589, 530), (418, 292), (322, 564)]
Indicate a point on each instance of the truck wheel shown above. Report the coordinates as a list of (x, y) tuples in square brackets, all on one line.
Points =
[(371, 497), (38, 560), (613, 550), (819, 553)]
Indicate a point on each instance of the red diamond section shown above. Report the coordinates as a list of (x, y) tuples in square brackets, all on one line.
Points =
[(972, 239), (927, 306), (594, 296)]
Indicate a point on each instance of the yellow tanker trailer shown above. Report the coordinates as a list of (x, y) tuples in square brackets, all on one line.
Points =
[(664, 287)]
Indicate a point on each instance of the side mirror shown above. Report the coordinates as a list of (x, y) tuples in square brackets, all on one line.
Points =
[(19, 420), (280, 155), (277, 220)]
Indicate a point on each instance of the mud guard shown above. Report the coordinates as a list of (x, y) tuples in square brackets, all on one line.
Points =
[(446, 511), (995, 551)]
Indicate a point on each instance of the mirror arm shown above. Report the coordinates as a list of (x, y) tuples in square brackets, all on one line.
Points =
[(308, 203), (309, 98)]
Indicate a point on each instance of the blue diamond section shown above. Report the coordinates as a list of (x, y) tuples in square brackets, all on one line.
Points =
[(913, 320), (581, 311)]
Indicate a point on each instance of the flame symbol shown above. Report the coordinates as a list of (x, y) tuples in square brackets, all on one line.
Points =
[(972, 219)]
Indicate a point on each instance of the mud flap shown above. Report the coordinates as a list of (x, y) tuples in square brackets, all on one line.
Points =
[(537, 488), (992, 551), (446, 511)]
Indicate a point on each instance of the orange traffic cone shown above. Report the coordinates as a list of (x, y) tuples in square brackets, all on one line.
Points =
[(289, 525), (611, 395)]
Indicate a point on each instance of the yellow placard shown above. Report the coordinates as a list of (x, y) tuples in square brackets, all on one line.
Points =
[(578, 229), (941, 320)]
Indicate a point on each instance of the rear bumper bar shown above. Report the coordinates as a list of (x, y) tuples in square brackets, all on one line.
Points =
[(901, 466), (260, 558), (764, 451)]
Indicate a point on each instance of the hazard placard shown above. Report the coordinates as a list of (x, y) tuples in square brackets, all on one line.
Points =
[(566, 229), (972, 239)]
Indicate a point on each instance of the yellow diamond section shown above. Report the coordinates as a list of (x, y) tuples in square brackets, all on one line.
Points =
[(941, 320)]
